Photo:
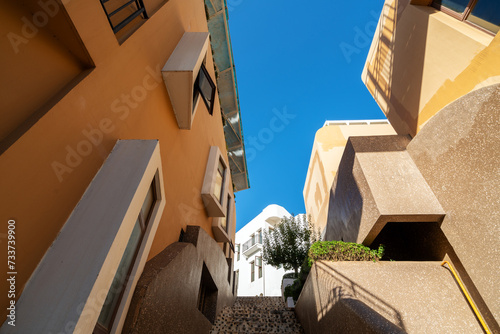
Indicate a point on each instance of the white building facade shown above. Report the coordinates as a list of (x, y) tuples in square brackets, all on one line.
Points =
[(253, 276)]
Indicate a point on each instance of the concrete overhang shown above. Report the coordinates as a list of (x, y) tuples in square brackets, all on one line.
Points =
[(180, 72), (228, 91), (378, 183)]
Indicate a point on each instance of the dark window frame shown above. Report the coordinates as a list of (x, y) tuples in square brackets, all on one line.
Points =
[(461, 16), (141, 10), (198, 92)]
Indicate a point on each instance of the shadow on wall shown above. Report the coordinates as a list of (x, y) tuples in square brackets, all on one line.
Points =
[(344, 210), (348, 308), (394, 69)]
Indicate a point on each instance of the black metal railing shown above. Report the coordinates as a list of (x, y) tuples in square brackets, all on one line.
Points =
[(139, 10)]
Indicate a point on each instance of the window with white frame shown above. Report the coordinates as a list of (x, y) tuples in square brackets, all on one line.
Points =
[(258, 263), (221, 226), (215, 184)]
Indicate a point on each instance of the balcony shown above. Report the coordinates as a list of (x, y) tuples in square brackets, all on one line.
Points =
[(252, 245)]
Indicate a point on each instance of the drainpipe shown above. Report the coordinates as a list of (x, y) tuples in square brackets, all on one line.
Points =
[(263, 275)]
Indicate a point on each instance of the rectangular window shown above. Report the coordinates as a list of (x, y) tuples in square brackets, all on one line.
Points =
[(482, 13), (259, 236), (215, 189), (235, 283), (186, 78), (112, 301), (204, 87), (252, 271), (207, 295), (121, 13), (258, 261)]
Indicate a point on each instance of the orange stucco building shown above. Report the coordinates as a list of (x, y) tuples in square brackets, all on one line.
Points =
[(95, 100)]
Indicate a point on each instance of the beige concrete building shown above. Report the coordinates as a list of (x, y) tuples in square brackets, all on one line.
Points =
[(430, 193), (328, 147), (120, 152)]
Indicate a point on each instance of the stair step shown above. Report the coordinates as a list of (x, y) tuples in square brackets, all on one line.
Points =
[(257, 315)]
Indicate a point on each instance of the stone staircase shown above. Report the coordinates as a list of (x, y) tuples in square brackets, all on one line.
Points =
[(257, 315)]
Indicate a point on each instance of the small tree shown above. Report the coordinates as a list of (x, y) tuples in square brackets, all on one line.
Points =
[(288, 243)]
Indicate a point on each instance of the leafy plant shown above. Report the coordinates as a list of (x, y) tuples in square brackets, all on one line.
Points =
[(343, 251), (331, 251), (288, 243), (290, 275), (295, 289)]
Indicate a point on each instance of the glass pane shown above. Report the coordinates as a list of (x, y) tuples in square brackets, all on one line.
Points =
[(226, 219), (455, 5), (148, 204), (223, 223), (114, 294), (219, 178), (206, 88), (486, 14)]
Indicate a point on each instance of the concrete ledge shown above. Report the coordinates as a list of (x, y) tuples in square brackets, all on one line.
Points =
[(377, 182), (383, 297)]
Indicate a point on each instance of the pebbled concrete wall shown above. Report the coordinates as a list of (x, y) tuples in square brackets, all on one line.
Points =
[(383, 297), (458, 154), (166, 297)]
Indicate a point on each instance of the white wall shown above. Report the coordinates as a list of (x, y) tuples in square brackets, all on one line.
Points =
[(270, 282)]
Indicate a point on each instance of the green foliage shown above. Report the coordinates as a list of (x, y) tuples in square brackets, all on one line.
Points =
[(290, 275), (343, 251), (331, 251), (295, 289), (288, 243)]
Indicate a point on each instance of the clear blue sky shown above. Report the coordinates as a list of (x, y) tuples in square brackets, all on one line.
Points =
[(298, 64)]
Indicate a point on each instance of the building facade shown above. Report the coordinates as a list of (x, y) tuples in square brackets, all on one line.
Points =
[(431, 193), (254, 276), (328, 147), (121, 149)]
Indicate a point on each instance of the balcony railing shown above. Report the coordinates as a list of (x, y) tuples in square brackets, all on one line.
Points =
[(248, 246)]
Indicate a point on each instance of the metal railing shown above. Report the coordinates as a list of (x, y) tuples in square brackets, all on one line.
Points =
[(256, 239), (139, 10), (469, 299)]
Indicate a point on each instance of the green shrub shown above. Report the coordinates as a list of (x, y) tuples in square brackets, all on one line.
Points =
[(343, 251), (295, 289), (331, 251)]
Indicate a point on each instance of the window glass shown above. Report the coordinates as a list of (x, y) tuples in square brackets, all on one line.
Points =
[(455, 5), (486, 14), (219, 178), (148, 204), (114, 294), (205, 87)]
